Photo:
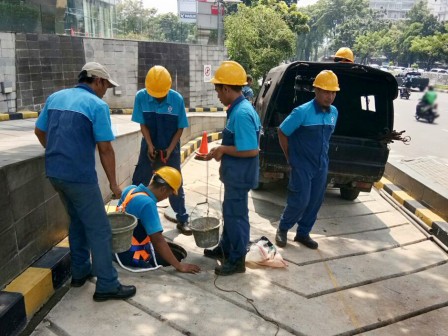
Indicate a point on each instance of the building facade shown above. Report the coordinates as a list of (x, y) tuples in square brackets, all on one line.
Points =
[(94, 18), (439, 8), (396, 10)]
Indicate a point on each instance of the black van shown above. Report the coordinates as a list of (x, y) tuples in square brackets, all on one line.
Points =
[(358, 148)]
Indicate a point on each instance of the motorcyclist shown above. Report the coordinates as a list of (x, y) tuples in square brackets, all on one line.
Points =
[(428, 101), (407, 84)]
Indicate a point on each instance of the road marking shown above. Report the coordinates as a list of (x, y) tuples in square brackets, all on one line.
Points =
[(445, 130)]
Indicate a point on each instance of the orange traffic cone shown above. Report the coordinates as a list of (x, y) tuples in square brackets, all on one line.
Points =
[(203, 149)]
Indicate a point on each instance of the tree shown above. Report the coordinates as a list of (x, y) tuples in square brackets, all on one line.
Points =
[(258, 38), (172, 29), (133, 20), (367, 46), (431, 48)]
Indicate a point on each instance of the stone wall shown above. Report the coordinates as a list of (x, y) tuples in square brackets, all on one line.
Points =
[(45, 64), (120, 57), (7, 72), (37, 65), (199, 90)]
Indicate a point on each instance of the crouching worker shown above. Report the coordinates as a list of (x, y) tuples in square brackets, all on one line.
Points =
[(149, 249)]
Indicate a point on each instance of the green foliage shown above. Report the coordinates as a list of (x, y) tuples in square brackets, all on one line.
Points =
[(139, 23), (351, 23), (258, 38), (19, 17)]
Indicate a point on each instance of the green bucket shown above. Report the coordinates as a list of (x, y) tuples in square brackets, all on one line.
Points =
[(122, 226)]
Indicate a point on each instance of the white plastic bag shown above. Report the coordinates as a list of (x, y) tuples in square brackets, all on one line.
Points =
[(263, 252)]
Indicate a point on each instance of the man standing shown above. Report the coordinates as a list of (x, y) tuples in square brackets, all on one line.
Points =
[(248, 93), (239, 169), (161, 114), (69, 127), (141, 201), (304, 137)]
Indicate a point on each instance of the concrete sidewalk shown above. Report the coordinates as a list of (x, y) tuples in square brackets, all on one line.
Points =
[(317, 286), (372, 269)]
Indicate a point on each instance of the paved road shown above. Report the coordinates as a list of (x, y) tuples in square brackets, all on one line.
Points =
[(427, 140), (374, 273)]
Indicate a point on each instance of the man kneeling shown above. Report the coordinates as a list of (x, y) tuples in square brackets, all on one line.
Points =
[(149, 248)]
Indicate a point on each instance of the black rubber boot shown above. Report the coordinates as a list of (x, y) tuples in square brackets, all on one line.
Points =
[(231, 267)]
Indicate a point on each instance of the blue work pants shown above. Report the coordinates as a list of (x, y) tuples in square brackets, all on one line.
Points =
[(306, 192), (144, 171), (89, 233), (236, 231)]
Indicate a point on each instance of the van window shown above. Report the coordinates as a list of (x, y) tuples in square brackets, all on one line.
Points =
[(368, 103)]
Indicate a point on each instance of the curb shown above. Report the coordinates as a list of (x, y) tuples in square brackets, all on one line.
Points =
[(192, 145), (187, 109), (32, 114), (18, 115), (27, 293), (438, 226)]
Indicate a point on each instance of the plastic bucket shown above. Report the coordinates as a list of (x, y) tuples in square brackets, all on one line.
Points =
[(122, 225), (205, 231)]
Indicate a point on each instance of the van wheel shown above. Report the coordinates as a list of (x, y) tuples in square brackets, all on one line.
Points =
[(349, 194)]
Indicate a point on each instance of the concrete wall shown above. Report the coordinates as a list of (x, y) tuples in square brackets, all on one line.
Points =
[(7, 72), (37, 65), (32, 217)]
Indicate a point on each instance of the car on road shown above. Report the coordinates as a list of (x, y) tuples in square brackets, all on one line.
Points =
[(417, 80), (438, 70), (358, 148)]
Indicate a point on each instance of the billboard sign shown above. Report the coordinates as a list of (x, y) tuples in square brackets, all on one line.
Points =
[(187, 10)]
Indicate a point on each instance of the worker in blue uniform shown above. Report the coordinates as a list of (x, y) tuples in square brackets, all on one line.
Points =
[(149, 249), (72, 123), (248, 93), (344, 55), (160, 111), (304, 138), (239, 169)]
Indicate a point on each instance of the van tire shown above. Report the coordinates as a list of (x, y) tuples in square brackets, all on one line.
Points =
[(349, 194)]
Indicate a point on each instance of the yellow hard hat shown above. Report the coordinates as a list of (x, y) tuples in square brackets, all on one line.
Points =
[(345, 53), (230, 73), (326, 80), (171, 176), (158, 81)]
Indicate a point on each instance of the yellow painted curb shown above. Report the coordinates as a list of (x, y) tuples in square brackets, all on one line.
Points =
[(428, 216), (36, 286), (29, 114), (4, 117), (401, 196), (63, 243)]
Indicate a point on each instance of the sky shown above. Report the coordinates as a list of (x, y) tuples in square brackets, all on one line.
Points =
[(162, 6), (166, 6)]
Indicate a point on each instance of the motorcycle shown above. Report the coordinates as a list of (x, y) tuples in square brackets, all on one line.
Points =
[(426, 111), (405, 92)]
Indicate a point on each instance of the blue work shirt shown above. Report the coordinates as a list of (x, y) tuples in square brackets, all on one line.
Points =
[(309, 129), (248, 93), (163, 119), (74, 121), (242, 131), (145, 209)]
